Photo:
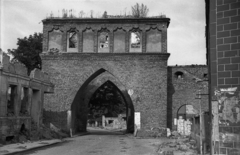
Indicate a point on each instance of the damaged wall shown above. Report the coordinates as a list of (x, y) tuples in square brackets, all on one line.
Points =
[(106, 35), (145, 74), (21, 96), (184, 82), (223, 39), (227, 130), (106, 45)]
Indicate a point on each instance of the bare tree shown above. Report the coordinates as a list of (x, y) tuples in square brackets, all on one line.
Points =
[(139, 10), (104, 14), (91, 13), (64, 13), (70, 13), (81, 13)]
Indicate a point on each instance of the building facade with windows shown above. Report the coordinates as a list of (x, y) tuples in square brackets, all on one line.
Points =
[(107, 35), (21, 97), (81, 54)]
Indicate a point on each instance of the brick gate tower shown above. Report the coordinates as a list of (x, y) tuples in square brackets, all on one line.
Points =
[(81, 54)]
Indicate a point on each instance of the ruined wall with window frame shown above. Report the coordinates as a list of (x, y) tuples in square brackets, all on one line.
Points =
[(107, 44), (19, 104), (140, 35)]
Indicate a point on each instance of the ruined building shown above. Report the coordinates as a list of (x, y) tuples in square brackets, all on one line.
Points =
[(81, 54), (21, 97), (185, 83), (188, 98)]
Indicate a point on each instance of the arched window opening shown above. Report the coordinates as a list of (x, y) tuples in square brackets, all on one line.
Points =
[(119, 41), (88, 41), (179, 75), (153, 40), (55, 40), (103, 40), (135, 41), (72, 43), (72, 39)]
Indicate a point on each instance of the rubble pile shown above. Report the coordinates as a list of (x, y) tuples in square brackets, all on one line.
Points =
[(35, 134), (51, 132), (178, 145), (155, 132)]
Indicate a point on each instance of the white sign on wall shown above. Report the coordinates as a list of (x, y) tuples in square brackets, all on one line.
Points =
[(130, 92), (137, 120), (69, 118)]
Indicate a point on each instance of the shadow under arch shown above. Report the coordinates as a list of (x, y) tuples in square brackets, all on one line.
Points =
[(80, 103)]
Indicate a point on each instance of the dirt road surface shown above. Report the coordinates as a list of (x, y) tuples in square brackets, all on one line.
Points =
[(101, 142)]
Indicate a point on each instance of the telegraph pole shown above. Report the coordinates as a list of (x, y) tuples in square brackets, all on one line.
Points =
[(200, 115)]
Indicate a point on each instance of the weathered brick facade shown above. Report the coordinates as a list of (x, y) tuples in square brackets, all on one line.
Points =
[(184, 89), (77, 73), (223, 46)]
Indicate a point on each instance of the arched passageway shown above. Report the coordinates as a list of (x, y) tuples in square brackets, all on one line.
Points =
[(186, 111), (107, 108), (81, 101)]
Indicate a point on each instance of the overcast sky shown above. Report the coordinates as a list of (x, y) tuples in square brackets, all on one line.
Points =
[(186, 32)]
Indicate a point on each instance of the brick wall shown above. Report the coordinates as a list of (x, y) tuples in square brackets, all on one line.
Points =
[(228, 43), (182, 91), (73, 73), (56, 31), (223, 31), (145, 74)]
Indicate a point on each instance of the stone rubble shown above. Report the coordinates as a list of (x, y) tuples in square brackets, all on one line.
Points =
[(43, 133), (178, 145)]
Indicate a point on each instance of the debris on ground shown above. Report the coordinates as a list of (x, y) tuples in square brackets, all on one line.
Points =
[(36, 133), (173, 147), (154, 132), (178, 145)]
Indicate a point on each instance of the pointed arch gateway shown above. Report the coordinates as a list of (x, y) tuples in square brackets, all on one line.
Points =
[(80, 103)]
